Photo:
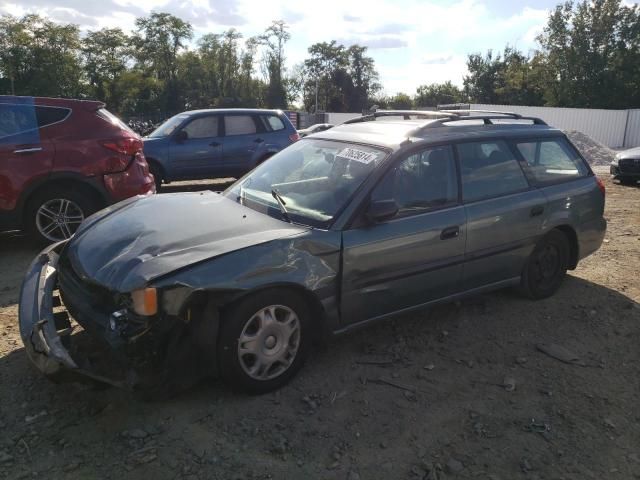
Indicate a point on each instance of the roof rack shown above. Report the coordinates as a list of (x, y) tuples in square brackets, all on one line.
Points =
[(441, 117), (398, 113)]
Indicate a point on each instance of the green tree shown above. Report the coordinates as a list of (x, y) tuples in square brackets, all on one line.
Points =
[(401, 101), (158, 41), (106, 54), (40, 57), (437, 94), (274, 39)]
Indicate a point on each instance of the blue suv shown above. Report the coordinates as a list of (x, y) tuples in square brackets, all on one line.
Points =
[(216, 143)]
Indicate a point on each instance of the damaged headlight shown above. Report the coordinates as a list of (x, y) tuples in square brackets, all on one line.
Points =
[(144, 301)]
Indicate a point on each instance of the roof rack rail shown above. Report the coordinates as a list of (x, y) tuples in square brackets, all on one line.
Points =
[(486, 119), (462, 113), (433, 114)]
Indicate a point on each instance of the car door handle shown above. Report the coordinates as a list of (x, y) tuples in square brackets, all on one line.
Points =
[(214, 144), (450, 232), (258, 140), (537, 210), (28, 150)]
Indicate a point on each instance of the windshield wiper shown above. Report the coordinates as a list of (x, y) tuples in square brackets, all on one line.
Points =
[(281, 203)]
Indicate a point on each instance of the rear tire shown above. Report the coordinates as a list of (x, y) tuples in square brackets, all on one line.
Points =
[(546, 267), (264, 340), (156, 171), (55, 213)]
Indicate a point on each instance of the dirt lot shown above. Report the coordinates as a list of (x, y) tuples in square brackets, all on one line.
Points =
[(427, 396)]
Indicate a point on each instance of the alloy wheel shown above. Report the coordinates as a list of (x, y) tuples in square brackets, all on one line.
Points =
[(58, 219)]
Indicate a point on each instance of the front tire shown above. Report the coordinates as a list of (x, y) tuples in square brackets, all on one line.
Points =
[(156, 171), (546, 266), (264, 340)]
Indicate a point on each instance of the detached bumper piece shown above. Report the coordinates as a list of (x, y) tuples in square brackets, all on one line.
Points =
[(45, 327)]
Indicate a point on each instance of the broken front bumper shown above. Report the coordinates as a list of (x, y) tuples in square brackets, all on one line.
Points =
[(41, 328)]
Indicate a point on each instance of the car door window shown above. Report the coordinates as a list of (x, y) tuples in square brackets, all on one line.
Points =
[(423, 181), (203, 127), (489, 169), (551, 160), (18, 124), (239, 125)]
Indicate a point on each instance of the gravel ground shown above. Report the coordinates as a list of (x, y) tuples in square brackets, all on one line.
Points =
[(458, 391)]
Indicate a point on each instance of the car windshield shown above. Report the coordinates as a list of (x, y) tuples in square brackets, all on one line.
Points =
[(309, 182), (169, 126)]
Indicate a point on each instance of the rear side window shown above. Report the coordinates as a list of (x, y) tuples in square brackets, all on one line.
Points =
[(203, 127), (239, 125), (50, 115), (423, 181), (272, 123), (551, 160), (489, 169)]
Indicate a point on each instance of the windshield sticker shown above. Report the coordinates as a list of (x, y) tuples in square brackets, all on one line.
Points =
[(357, 155)]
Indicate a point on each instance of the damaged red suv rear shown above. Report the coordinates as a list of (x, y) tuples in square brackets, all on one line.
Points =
[(62, 160)]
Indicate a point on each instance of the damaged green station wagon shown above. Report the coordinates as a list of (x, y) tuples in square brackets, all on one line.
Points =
[(386, 213)]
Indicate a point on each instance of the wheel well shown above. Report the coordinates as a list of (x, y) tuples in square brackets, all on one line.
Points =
[(570, 233), (316, 310), (64, 183), (157, 164)]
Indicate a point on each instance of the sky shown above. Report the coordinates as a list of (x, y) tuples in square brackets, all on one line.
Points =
[(413, 42)]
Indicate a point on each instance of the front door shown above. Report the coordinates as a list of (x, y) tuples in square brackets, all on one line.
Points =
[(504, 214), (415, 257), (195, 151)]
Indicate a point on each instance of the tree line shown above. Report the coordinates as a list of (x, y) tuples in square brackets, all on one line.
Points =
[(588, 55)]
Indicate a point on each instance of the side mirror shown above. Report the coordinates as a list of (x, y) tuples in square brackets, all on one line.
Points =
[(381, 210), (181, 136)]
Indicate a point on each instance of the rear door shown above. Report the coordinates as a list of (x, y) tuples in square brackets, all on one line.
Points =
[(415, 257), (25, 153), (504, 213), (199, 155), (244, 141)]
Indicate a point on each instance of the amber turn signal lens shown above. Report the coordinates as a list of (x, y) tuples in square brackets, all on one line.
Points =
[(145, 301)]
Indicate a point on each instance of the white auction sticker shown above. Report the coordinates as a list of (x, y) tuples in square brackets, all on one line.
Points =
[(357, 155)]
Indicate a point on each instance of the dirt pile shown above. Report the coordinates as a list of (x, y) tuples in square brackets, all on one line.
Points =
[(596, 154)]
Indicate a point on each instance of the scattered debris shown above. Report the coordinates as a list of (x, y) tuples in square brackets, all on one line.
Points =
[(393, 383), (375, 360), (509, 384), (5, 457), (33, 418), (454, 466), (559, 353)]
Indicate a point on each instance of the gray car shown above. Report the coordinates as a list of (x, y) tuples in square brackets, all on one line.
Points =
[(626, 166), (350, 226)]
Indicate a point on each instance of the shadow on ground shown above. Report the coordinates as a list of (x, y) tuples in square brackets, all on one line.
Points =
[(420, 395)]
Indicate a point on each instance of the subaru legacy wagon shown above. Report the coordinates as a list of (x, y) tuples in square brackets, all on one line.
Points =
[(374, 217), (216, 143)]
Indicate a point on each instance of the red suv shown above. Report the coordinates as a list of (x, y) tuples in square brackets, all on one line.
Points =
[(61, 160)]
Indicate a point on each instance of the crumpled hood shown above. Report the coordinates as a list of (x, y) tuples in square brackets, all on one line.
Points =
[(133, 242)]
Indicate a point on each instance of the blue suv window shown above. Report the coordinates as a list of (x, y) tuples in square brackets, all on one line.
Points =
[(203, 127), (489, 169), (239, 125), (272, 123)]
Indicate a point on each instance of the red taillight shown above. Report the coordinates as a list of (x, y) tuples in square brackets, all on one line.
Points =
[(126, 148), (294, 137), (601, 185)]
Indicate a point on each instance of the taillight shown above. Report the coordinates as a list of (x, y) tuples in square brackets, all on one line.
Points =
[(601, 185), (126, 148), (294, 137)]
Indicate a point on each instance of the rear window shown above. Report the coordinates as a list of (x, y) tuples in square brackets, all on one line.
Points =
[(551, 160), (50, 115), (112, 119)]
